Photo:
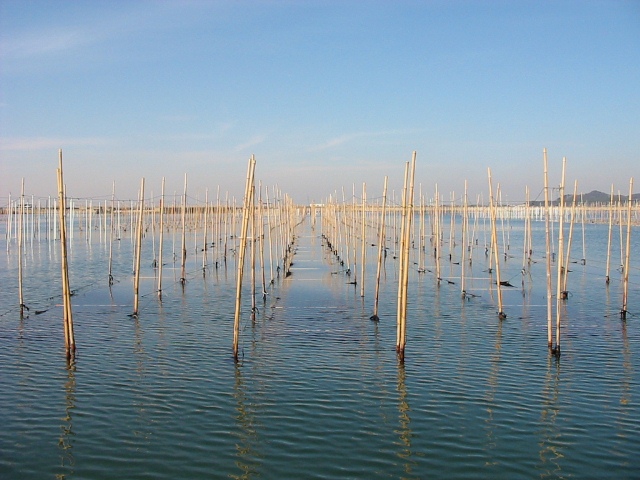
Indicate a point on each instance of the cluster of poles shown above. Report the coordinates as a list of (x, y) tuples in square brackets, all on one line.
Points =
[(347, 230), (212, 225), (345, 225)]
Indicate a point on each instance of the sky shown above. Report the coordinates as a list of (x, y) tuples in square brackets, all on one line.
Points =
[(326, 95)]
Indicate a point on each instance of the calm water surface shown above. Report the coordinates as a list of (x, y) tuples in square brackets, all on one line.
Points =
[(318, 391)]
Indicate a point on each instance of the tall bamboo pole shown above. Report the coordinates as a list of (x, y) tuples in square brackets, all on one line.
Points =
[(547, 215), (183, 258), (494, 247), (583, 260), (560, 260), (243, 242), (565, 279), (254, 308), (113, 197), (261, 237), (363, 233), (611, 202), (20, 249), (436, 245), (405, 259), (381, 242), (136, 281), (625, 286), (464, 241), (403, 212), (161, 241), (204, 236), (70, 342)]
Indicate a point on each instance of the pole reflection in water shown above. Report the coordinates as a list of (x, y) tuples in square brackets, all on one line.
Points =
[(246, 434), (490, 396), (65, 443), (626, 385), (550, 450), (405, 453), (142, 392)]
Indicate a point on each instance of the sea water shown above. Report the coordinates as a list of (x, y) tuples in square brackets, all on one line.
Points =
[(318, 391)]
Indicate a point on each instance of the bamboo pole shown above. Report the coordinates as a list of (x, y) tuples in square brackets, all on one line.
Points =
[(113, 196), (565, 279), (254, 308), (625, 285), (70, 343), (243, 242), (183, 250), (611, 203), (494, 247), (363, 233), (583, 260), (401, 265), (161, 241), (261, 237), (405, 259), (381, 250), (560, 260), (463, 259), (20, 249), (204, 235), (525, 234), (269, 228), (136, 282), (436, 245), (547, 211)]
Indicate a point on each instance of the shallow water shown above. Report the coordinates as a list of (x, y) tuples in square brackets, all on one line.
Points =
[(318, 391)]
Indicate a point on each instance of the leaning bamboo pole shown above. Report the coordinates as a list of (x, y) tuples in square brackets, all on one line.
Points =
[(494, 246), (560, 260), (136, 281), (241, 254), (69, 337), (565, 280), (381, 242), (625, 285)]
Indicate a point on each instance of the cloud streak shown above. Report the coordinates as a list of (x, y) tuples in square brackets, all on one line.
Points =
[(23, 144), (350, 137)]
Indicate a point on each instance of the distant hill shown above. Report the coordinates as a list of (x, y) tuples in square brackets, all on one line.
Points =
[(591, 198)]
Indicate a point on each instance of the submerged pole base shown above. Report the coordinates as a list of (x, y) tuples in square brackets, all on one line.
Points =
[(623, 314), (555, 351), (400, 352)]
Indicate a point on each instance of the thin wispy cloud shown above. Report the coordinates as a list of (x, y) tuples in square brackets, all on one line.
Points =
[(22, 144), (255, 140), (33, 41), (350, 137)]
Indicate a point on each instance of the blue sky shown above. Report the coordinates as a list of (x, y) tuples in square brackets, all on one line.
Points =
[(324, 93)]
